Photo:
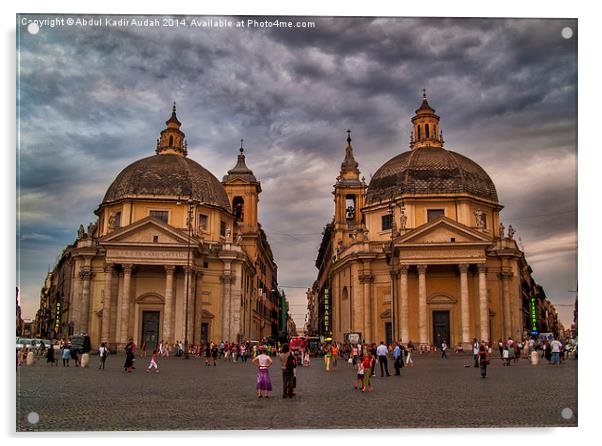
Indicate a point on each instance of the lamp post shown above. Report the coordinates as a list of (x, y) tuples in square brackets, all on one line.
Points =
[(187, 276)]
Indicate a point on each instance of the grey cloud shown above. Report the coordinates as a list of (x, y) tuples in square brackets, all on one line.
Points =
[(94, 100)]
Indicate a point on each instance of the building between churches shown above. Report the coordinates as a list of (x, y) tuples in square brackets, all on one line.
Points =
[(172, 249), (420, 254)]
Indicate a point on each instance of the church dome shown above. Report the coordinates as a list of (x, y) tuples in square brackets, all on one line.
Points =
[(430, 170), (168, 174)]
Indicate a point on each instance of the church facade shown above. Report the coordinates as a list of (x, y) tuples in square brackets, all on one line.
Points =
[(420, 254), (174, 254)]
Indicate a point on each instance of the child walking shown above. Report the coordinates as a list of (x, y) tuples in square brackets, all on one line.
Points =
[(367, 364), (359, 381), (153, 363)]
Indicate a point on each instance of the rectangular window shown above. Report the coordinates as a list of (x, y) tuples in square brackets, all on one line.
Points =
[(222, 228), (203, 222), (117, 220), (484, 220), (160, 215), (386, 222), (433, 214)]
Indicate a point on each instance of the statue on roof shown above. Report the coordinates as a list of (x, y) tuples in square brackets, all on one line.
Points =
[(81, 233), (511, 232)]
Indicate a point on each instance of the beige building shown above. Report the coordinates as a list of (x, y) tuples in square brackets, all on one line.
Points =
[(173, 249), (420, 253)]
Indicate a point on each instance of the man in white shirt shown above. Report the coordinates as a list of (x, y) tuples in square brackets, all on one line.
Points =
[(555, 345), (381, 352), (475, 351)]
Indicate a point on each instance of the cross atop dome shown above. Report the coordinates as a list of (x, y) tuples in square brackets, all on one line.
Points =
[(172, 140)]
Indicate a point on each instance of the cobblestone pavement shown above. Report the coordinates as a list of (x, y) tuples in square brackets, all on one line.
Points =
[(187, 395)]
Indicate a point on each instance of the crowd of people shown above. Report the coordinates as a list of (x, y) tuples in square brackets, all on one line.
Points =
[(363, 358)]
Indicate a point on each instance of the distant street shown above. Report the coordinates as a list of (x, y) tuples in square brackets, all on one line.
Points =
[(187, 395)]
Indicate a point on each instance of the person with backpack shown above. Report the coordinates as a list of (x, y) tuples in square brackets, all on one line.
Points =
[(483, 359), (287, 365)]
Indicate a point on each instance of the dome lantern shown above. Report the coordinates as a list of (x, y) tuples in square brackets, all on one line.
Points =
[(172, 140), (425, 127)]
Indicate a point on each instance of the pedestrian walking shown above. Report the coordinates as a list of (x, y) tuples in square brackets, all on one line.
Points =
[(263, 363), (500, 346), (50, 356), (397, 359), (475, 351), (381, 352), (506, 356), (153, 363), (409, 352), (368, 364), (444, 350), (555, 347), (359, 380), (129, 356), (287, 365), (214, 354), (66, 356), (103, 352), (334, 353), (327, 356), (483, 358)]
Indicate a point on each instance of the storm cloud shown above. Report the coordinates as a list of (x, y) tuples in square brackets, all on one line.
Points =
[(92, 100)]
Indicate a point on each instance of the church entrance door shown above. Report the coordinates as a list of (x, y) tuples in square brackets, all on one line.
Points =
[(441, 331), (150, 329)]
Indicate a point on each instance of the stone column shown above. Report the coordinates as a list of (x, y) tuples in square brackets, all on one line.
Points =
[(483, 303), (125, 303), (404, 318), (168, 329), (226, 307), (118, 315), (422, 323), (106, 303), (505, 276), (85, 275), (198, 308), (190, 309), (465, 305), (366, 279)]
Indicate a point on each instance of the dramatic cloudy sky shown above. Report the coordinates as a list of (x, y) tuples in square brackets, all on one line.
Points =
[(92, 100)]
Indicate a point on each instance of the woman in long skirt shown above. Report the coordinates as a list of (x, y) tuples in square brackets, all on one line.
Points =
[(129, 356), (483, 359), (263, 362)]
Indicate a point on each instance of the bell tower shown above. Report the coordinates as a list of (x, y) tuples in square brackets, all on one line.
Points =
[(172, 140), (349, 196), (243, 191), (426, 131)]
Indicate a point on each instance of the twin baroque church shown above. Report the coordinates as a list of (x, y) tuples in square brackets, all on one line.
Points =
[(420, 253), (171, 242)]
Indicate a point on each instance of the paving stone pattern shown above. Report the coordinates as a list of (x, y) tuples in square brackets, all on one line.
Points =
[(187, 395)]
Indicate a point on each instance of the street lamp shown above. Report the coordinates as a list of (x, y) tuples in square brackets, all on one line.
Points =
[(187, 276)]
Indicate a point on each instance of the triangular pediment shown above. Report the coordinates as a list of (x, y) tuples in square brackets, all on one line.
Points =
[(144, 231), (443, 230)]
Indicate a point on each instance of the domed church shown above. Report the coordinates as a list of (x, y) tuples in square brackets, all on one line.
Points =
[(420, 253), (173, 249)]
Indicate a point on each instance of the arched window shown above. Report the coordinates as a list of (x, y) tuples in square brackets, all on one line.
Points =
[(238, 204), (171, 140), (419, 136), (426, 130)]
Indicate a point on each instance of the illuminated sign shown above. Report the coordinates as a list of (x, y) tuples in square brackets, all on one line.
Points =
[(327, 310), (57, 321), (533, 316)]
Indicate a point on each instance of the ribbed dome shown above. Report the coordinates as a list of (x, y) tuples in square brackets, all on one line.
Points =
[(168, 176), (430, 171)]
